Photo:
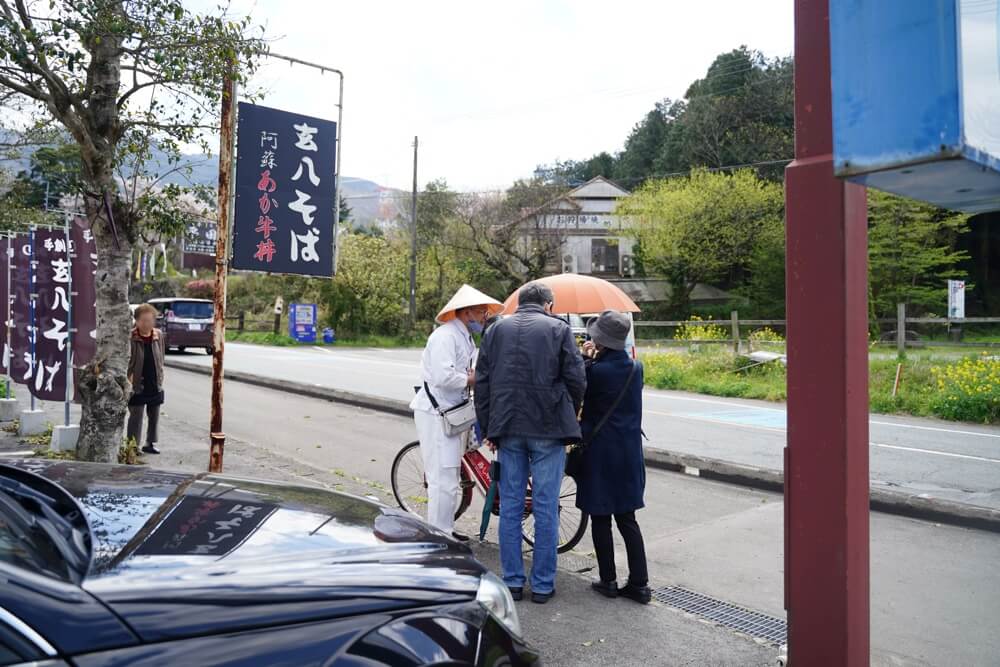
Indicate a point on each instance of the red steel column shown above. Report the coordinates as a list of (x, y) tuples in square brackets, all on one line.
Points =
[(826, 459)]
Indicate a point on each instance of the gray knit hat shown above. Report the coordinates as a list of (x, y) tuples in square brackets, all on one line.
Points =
[(610, 329)]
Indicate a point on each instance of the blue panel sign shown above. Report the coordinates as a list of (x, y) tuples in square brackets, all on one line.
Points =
[(285, 178), (916, 98), (302, 322)]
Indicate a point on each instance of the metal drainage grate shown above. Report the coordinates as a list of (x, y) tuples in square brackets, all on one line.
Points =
[(747, 621)]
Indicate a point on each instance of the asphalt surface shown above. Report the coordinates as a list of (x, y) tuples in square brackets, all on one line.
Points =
[(935, 589), (958, 462)]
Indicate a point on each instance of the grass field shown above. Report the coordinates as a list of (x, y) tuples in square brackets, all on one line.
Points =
[(963, 388), (284, 340)]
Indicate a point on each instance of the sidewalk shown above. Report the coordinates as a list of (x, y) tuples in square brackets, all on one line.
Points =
[(577, 628)]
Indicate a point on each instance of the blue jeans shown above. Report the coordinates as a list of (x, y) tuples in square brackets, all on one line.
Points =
[(545, 461)]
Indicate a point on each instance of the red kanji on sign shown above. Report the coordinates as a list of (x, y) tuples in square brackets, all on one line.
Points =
[(266, 203), (265, 226), (266, 183), (265, 251)]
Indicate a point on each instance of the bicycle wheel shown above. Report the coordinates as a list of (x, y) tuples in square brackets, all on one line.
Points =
[(409, 484), (572, 520)]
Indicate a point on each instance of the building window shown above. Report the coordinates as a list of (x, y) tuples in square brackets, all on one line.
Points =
[(604, 256)]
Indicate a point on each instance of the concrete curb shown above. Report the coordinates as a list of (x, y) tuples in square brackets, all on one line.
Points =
[(390, 405), (882, 500)]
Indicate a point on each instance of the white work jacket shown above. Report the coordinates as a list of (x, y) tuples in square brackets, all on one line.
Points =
[(444, 366)]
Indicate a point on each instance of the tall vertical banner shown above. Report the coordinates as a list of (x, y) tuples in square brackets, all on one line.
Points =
[(285, 213), (21, 326), (83, 270), (52, 287), (5, 276)]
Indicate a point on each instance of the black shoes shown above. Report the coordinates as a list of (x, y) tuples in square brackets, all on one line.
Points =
[(542, 598), (608, 589), (640, 594), (460, 537), (151, 449), (517, 592)]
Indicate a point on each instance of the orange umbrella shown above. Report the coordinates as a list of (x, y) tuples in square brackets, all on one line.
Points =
[(575, 293)]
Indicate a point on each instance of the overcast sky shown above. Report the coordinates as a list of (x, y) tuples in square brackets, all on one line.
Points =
[(493, 89)]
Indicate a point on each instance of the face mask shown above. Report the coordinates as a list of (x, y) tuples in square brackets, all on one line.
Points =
[(474, 326)]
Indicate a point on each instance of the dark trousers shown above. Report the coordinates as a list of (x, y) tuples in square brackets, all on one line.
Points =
[(604, 545), (135, 423)]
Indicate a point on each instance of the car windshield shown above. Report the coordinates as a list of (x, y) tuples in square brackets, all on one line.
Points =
[(197, 310), (23, 546)]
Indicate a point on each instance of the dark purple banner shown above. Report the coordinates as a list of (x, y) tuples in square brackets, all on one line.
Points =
[(84, 252), (5, 276), (285, 214), (21, 327), (52, 285)]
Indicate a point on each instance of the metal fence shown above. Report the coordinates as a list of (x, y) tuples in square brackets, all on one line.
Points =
[(901, 331), (240, 323)]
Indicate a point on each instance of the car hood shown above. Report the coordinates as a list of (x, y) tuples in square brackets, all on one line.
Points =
[(176, 553)]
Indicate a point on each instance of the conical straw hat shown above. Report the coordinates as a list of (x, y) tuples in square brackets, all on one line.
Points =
[(467, 297)]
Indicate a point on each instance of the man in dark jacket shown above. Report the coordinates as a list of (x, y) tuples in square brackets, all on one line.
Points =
[(530, 381)]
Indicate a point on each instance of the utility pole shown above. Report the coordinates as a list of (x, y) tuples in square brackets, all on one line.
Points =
[(413, 242), (217, 437)]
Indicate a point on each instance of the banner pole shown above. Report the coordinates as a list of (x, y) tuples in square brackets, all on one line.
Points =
[(9, 350), (32, 327), (70, 256)]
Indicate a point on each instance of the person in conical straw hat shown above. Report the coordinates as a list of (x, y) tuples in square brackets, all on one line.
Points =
[(446, 374)]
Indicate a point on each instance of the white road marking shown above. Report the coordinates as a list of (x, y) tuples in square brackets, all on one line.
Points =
[(877, 422), (367, 360), (937, 453), (755, 427), (938, 429)]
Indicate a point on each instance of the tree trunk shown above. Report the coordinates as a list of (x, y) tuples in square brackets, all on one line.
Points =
[(103, 383)]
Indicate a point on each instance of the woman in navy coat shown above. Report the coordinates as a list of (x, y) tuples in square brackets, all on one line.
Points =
[(612, 477)]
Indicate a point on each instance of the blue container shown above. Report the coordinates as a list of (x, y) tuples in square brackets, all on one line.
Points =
[(916, 93), (329, 336)]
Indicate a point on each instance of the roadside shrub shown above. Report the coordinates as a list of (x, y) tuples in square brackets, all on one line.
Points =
[(200, 289), (696, 329), (767, 335), (968, 390)]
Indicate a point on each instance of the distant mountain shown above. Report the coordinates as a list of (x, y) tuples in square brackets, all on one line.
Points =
[(371, 204)]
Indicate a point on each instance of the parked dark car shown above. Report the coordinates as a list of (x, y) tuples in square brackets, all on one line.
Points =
[(185, 322), (126, 565)]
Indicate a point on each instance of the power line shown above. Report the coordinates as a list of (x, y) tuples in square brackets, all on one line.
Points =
[(674, 174)]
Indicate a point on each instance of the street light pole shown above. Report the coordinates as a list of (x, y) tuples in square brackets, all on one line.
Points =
[(413, 242)]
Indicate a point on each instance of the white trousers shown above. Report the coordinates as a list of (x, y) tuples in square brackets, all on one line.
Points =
[(442, 456)]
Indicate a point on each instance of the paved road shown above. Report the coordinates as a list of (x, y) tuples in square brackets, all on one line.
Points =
[(935, 589), (940, 459)]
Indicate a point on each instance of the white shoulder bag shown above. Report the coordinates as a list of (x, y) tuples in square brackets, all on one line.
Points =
[(457, 419)]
